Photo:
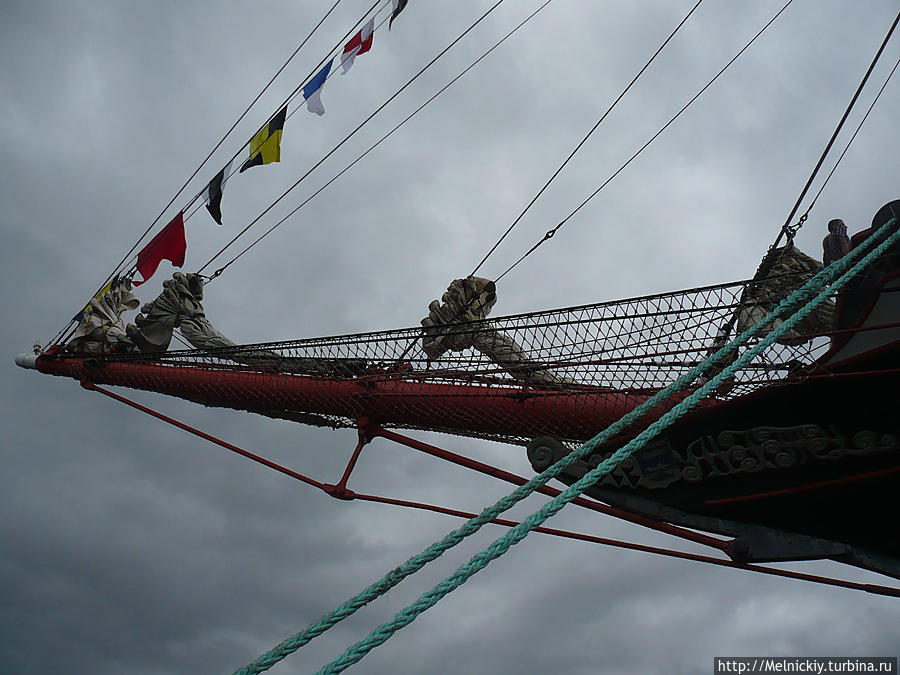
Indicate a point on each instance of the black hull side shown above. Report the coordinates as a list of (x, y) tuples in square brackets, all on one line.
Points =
[(818, 458)]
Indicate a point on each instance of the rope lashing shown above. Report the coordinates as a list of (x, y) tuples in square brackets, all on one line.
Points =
[(503, 544), (295, 642)]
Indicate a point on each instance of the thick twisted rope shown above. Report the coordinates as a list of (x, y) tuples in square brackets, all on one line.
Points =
[(503, 544), (292, 644)]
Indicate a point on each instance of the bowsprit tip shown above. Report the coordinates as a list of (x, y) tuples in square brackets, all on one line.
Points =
[(26, 361)]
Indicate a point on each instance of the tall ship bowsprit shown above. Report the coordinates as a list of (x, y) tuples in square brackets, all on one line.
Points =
[(795, 456), (756, 416)]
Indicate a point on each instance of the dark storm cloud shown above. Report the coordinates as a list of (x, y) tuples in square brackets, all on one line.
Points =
[(131, 547)]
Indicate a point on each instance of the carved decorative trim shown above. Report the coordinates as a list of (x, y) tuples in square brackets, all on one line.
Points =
[(770, 448), (730, 452)]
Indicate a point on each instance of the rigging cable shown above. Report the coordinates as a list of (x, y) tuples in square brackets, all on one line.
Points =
[(350, 135), (849, 143), (798, 305), (787, 228), (227, 133), (586, 137), (403, 503), (793, 308), (791, 231), (572, 154), (385, 137), (332, 72), (549, 234), (234, 168)]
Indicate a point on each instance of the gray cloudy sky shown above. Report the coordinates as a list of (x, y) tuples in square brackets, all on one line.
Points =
[(130, 547)]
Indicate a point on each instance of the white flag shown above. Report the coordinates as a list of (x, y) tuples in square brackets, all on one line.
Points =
[(314, 103)]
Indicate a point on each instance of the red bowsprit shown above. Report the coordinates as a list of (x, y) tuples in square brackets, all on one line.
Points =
[(794, 457)]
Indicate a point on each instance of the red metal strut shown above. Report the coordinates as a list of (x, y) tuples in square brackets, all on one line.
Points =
[(366, 433), (674, 530)]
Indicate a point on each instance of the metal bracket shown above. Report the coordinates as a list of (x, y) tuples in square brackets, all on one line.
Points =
[(339, 490)]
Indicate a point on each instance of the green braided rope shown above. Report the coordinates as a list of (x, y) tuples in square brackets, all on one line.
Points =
[(290, 645), (503, 544)]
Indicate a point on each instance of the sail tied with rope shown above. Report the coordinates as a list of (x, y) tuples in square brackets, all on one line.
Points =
[(461, 372), (553, 379)]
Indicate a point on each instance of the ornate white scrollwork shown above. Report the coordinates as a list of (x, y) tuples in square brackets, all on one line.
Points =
[(773, 448)]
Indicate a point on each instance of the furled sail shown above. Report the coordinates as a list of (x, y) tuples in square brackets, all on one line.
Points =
[(101, 326), (782, 271), (469, 301)]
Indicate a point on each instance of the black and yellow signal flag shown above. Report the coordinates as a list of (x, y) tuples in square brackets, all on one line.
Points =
[(265, 146)]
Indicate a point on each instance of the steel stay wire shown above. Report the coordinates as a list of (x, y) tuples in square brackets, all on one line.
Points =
[(434, 551), (235, 169), (791, 231), (388, 134), (351, 134), (876, 589), (852, 138), (285, 102), (550, 233), (116, 269), (558, 170), (297, 90), (786, 228), (586, 137), (800, 302)]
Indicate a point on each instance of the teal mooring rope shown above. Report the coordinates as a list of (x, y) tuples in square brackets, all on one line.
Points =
[(800, 303)]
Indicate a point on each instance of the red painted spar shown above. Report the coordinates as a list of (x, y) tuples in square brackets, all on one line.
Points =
[(472, 408)]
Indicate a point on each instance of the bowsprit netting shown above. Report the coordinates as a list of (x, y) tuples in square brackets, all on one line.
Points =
[(564, 372)]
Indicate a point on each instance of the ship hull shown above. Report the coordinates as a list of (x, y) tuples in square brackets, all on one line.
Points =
[(818, 458)]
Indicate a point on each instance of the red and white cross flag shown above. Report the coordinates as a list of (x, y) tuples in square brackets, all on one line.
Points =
[(359, 44)]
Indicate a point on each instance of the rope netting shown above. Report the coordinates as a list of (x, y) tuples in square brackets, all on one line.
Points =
[(582, 367), (789, 314)]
